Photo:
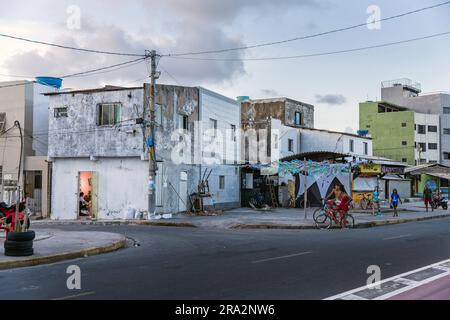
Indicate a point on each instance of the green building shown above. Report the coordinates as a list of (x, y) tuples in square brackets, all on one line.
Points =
[(401, 134)]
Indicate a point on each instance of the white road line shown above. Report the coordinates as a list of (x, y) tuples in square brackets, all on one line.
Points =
[(283, 257), (91, 293), (398, 237), (399, 277)]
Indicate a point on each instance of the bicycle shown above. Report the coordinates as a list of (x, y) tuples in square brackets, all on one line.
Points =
[(321, 210), (366, 203), (325, 220)]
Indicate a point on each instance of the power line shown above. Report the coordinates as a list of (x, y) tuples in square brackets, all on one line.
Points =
[(315, 54), (70, 47), (88, 72), (310, 36)]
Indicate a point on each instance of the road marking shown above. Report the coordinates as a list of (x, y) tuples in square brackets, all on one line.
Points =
[(283, 257), (401, 279), (91, 293), (398, 237)]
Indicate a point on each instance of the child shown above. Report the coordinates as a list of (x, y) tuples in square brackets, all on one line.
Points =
[(395, 199)]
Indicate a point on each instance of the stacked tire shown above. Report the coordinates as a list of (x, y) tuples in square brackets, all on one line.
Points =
[(19, 244)]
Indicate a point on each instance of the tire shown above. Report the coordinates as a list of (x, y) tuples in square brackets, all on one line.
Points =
[(350, 221), (318, 212), (324, 222), (19, 253), (21, 236), (364, 205), (445, 206), (19, 245)]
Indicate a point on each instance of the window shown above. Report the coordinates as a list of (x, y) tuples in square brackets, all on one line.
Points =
[(446, 110), (109, 114), (432, 146), (421, 129), (366, 148), (61, 113), (403, 125), (298, 119), (352, 145), (423, 147), (291, 145), (233, 133), (432, 129), (368, 126), (184, 122), (446, 156), (446, 131), (405, 160), (222, 182), (2, 122), (404, 143), (213, 126)]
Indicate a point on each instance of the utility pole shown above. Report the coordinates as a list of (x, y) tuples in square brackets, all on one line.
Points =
[(153, 167), (18, 200)]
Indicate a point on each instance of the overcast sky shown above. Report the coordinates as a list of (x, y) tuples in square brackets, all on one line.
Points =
[(335, 84)]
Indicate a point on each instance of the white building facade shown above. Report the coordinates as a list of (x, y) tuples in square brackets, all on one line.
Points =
[(98, 148)]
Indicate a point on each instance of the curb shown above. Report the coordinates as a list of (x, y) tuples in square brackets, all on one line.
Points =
[(116, 223), (361, 225), (58, 257)]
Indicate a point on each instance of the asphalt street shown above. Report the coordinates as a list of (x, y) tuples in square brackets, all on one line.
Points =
[(185, 263)]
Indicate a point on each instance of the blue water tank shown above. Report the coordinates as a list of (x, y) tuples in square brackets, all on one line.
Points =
[(50, 82), (243, 98)]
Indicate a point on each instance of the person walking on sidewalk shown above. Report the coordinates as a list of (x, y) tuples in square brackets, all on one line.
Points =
[(376, 201), (395, 199), (428, 198)]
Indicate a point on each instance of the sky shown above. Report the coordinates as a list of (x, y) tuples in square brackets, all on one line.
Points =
[(334, 84)]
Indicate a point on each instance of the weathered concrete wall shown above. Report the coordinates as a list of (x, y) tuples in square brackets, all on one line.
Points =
[(78, 135), (282, 109)]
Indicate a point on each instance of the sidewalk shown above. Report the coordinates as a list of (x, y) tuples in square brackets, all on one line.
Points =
[(246, 218), (52, 246)]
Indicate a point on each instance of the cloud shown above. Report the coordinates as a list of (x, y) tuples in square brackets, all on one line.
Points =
[(270, 93), (331, 99)]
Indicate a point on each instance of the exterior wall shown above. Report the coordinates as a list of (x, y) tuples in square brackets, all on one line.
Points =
[(387, 132), (429, 137), (317, 140), (427, 104), (121, 186), (283, 134), (282, 109), (78, 135), (226, 112), (25, 104)]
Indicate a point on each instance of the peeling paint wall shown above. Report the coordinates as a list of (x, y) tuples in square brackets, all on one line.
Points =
[(282, 109)]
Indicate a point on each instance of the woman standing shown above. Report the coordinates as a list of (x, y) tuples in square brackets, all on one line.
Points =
[(395, 199), (376, 201)]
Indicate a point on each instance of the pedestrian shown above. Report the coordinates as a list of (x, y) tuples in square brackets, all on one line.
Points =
[(395, 199), (428, 198), (376, 201)]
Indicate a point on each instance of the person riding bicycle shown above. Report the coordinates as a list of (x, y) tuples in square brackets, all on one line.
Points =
[(341, 202)]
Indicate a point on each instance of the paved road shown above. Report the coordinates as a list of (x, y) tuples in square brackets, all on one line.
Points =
[(179, 263)]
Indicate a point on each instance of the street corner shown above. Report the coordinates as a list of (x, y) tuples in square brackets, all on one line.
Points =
[(51, 246)]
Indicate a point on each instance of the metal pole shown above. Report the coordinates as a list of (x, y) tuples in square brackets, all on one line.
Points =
[(306, 189), (151, 139), (17, 222)]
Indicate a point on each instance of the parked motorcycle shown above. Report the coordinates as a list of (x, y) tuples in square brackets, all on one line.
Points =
[(8, 216), (439, 202)]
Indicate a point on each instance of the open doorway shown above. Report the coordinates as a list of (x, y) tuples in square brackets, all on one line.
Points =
[(88, 195)]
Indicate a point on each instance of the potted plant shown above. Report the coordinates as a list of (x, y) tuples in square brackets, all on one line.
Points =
[(19, 240)]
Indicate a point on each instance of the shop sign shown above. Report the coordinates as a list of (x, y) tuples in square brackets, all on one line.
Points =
[(369, 168), (393, 170)]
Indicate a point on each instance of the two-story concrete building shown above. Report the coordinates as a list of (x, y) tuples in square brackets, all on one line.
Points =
[(98, 149), (22, 101)]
